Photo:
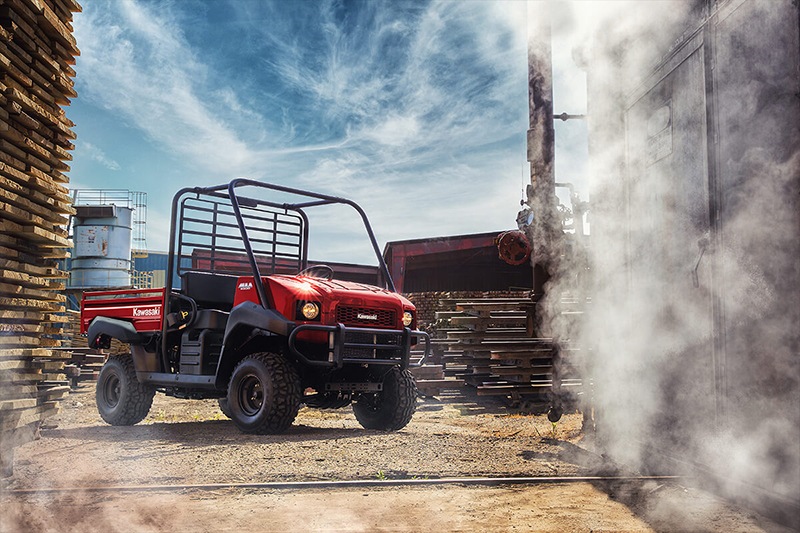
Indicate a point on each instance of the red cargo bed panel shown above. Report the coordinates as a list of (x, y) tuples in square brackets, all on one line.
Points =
[(141, 307)]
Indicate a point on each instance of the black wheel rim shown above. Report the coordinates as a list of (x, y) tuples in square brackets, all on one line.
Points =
[(372, 402), (111, 390), (251, 395)]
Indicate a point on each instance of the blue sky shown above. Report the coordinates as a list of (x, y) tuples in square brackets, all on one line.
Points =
[(416, 110)]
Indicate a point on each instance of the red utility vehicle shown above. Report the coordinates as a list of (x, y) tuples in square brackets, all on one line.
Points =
[(252, 324)]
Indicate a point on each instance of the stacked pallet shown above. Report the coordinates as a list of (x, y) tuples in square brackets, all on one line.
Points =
[(490, 346), (36, 51), (427, 303), (431, 381)]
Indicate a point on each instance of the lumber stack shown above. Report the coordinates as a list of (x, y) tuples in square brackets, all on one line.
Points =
[(37, 50), (490, 346)]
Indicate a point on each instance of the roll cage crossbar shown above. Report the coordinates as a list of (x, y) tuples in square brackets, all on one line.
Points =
[(228, 192)]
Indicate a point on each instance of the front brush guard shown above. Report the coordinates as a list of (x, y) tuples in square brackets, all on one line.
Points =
[(337, 345)]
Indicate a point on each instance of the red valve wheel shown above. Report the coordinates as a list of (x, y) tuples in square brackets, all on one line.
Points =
[(513, 247)]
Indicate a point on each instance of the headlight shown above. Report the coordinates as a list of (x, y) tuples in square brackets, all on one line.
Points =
[(408, 318), (310, 310)]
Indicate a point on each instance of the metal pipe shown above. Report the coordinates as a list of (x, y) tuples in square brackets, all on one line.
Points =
[(290, 485)]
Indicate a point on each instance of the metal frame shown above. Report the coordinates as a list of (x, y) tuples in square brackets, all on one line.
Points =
[(337, 344), (228, 192)]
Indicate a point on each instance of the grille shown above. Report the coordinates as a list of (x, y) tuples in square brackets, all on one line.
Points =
[(389, 339), (349, 316), (381, 338)]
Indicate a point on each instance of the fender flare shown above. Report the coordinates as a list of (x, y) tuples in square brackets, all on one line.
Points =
[(253, 315), (115, 328), (258, 321)]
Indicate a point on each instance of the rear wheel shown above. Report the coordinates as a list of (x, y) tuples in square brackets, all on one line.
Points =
[(392, 408), (121, 399), (264, 394)]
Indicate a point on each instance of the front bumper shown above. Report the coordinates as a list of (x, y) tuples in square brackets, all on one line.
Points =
[(349, 345)]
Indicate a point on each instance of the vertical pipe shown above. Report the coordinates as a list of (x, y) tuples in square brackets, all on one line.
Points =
[(541, 143)]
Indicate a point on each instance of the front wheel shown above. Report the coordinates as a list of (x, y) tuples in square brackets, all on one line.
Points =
[(121, 399), (264, 394), (392, 408), (223, 406)]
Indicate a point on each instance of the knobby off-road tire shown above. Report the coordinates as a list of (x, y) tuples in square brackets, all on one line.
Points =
[(264, 394), (392, 408), (223, 406), (121, 399)]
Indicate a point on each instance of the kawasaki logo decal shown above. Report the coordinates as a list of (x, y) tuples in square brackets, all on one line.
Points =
[(148, 311), (362, 316)]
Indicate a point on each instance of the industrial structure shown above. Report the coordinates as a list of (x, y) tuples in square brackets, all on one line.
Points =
[(109, 231), (694, 124)]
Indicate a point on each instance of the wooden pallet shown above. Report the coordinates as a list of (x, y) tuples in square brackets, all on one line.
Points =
[(431, 380), (490, 349)]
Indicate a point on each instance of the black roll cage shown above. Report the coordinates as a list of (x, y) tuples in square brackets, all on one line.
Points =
[(228, 192)]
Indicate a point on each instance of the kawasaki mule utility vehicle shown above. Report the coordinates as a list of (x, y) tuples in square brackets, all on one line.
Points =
[(253, 324)]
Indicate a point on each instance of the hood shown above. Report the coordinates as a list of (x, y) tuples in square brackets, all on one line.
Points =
[(286, 290)]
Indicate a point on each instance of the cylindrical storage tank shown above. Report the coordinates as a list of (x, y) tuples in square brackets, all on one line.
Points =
[(102, 253)]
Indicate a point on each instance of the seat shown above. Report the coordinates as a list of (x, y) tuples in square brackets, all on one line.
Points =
[(209, 290)]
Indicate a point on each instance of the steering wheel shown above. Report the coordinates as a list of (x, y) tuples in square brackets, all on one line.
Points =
[(317, 271)]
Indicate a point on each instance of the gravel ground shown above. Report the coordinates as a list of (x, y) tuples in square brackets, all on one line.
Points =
[(191, 442)]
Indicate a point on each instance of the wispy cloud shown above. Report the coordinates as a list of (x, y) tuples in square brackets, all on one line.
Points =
[(96, 154), (135, 62), (416, 109)]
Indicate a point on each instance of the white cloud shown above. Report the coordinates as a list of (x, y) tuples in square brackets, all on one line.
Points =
[(96, 154), (430, 145), (136, 63)]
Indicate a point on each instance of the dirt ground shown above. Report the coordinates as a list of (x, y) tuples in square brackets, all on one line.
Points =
[(191, 442)]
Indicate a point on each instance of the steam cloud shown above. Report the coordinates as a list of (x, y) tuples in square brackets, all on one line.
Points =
[(704, 370)]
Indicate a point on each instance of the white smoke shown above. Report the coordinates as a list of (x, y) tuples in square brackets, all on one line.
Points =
[(693, 329)]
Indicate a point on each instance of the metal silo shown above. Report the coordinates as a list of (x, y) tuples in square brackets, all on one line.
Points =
[(102, 253)]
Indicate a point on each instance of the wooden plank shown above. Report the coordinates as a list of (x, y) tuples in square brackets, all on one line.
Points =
[(42, 237), (18, 290), (54, 393), (13, 70), (24, 303), (18, 377), (24, 417), (33, 270), (29, 352), (11, 391), (6, 328), (9, 405), (47, 365), (29, 252), (27, 280), (13, 365)]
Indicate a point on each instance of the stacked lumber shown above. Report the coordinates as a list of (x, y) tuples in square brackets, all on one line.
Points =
[(490, 346), (37, 50), (83, 363), (427, 303), (430, 377), (431, 381)]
